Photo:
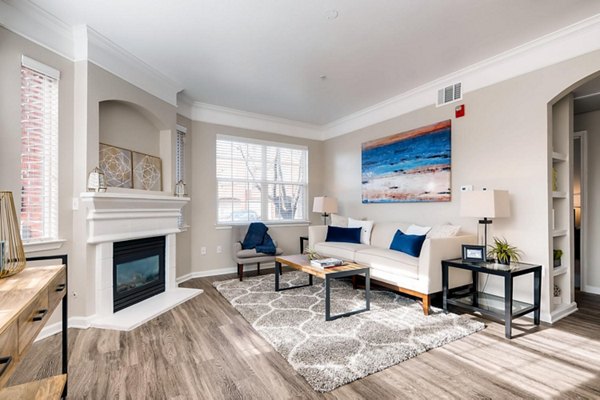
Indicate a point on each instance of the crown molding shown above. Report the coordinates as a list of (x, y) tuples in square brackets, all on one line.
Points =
[(118, 61), (83, 43), (248, 120), (569, 42), (34, 23)]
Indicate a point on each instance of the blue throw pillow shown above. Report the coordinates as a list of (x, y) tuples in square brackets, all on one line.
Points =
[(409, 244), (339, 234)]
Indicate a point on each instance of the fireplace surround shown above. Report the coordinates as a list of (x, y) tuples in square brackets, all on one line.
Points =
[(116, 217)]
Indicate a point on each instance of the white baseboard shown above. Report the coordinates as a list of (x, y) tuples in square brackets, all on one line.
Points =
[(74, 322), (562, 311), (591, 289), (219, 271)]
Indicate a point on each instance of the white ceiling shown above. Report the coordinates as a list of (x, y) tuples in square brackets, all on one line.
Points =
[(267, 56)]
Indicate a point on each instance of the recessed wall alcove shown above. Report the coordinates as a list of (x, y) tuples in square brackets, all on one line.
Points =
[(130, 126)]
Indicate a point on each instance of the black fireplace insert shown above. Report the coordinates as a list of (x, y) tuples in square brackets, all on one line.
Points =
[(138, 270)]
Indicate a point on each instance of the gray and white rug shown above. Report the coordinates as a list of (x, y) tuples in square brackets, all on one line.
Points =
[(331, 354)]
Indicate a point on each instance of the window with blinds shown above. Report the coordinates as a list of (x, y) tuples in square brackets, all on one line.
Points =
[(179, 156), (180, 165), (261, 181), (39, 151)]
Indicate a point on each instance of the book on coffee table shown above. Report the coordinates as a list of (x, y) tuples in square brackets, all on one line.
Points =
[(326, 263)]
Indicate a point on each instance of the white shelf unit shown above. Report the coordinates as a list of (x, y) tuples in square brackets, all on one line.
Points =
[(561, 210)]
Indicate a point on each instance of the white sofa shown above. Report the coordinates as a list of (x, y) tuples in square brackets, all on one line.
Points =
[(417, 276)]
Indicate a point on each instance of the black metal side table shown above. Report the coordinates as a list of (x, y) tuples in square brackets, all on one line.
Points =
[(505, 308), (302, 240)]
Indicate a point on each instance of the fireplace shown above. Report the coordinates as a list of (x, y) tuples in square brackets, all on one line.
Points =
[(138, 270)]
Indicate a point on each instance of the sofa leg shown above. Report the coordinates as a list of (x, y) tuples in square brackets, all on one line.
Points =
[(257, 269), (241, 271), (426, 303)]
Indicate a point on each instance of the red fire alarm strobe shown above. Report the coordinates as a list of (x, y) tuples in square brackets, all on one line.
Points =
[(459, 111)]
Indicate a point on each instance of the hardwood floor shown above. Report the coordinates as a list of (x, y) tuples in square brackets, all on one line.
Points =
[(204, 349)]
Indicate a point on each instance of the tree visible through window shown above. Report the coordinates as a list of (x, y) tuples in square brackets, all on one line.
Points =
[(261, 181), (39, 152)]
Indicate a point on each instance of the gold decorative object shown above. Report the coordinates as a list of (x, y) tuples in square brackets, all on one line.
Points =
[(147, 172), (12, 254), (115, 163)]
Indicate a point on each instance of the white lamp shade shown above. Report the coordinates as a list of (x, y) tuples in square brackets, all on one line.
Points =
[(326, 205), (485, 204)]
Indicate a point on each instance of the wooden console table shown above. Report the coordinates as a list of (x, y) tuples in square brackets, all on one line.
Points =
[(27, 300)]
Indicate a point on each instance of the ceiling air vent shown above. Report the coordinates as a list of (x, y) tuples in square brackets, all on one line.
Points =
[(449, 94)]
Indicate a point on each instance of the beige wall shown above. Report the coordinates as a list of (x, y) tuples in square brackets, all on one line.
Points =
[(124, 126), (204, 198), (501, 143), (184, 239), (590, 122), (12, 47)]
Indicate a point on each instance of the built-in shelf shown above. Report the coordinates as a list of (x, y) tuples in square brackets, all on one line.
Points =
[(559, 195), (558, 156), (559, 232), (563, 269)]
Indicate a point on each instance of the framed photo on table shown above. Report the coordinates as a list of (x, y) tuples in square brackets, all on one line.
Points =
[(472, 252)]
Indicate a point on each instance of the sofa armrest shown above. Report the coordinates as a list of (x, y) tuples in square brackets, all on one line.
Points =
[(316, 234), (430, 261), (237, 246)]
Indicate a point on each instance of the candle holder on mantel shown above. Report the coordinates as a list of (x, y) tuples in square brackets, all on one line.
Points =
[(12, 254)]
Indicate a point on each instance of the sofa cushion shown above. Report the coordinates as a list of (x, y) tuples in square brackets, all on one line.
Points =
[(383, 233), (250, 253), (409, 244), (339, 220), (347, 235), (345, 251), (390, 261), (365, 226), (443, 231), (418, 230)]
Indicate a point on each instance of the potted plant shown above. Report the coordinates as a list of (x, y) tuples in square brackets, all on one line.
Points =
[(557, 256), (503, 252)]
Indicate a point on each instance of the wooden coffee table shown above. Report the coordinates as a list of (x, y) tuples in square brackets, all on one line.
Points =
[(300, 262)]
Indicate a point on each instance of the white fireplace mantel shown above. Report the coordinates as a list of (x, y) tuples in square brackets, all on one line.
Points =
[(114, 217)]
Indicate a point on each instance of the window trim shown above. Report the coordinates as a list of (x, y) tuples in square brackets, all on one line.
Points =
[(306, 184), (52, 241)]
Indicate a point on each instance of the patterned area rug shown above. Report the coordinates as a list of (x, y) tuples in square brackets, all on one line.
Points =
[(331, 354)]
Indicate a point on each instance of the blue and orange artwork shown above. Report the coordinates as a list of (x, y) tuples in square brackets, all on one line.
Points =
[(412, 166)]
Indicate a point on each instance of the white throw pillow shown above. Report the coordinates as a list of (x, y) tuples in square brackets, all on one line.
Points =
[(443, 231), (365, 232), (418, 230), (339, 220)]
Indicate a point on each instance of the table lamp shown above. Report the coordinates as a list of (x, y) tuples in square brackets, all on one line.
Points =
[(325, 205), (485, 204)]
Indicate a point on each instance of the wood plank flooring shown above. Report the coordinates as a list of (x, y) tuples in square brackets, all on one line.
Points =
[(204, 349)]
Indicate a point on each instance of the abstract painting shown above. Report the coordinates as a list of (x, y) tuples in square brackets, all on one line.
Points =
[(147, 172), (412, 166), (115, 162)]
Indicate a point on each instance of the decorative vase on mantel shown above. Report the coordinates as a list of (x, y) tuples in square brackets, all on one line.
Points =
[(12, 254)]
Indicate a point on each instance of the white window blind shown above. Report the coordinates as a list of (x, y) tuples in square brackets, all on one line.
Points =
[(180, 156), (39, 152), (261, 181), (180, 165)]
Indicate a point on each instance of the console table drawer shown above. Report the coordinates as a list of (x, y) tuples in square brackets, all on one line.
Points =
[(8, 351), (33, 319), (57, 289)]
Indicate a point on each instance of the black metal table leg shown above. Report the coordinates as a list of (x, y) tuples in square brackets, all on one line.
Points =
[(508, 309), (537, 294), (277, 274), (368, 289), (475, 277), (327, 298), (445, 286)]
